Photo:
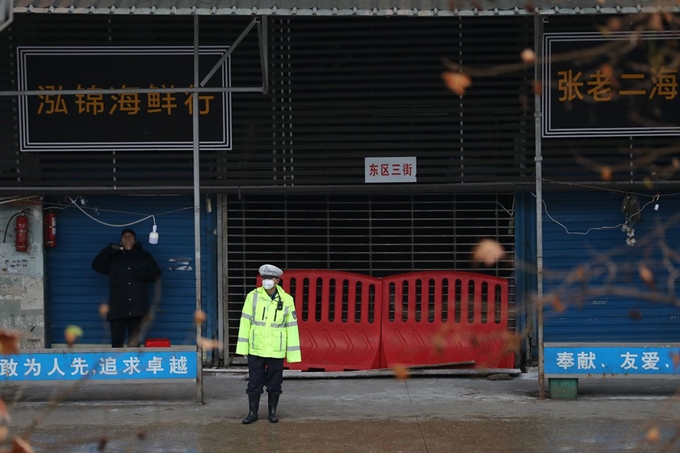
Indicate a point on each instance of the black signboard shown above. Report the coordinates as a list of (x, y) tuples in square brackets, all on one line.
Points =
[(610, 84), (120, 122)]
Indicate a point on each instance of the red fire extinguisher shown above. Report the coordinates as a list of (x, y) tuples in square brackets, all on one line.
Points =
[(21, 233), (50, 223)]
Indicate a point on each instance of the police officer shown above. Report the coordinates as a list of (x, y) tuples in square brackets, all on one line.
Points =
[(268, 333)]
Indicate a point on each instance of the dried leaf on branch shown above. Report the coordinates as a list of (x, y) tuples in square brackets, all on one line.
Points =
[(456, 82), (9, 342)]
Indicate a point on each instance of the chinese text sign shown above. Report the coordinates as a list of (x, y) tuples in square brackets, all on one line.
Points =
[(602, 96), (610, 361), (390, 169), (125, 121), (97, 366)]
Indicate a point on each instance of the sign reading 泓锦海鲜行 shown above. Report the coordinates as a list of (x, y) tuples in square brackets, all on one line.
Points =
[(124, 121), (97, 366), (618, 360), (609, 84)]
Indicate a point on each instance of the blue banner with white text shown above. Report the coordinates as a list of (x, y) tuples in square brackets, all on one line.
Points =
[(98, 366), (612, 360)]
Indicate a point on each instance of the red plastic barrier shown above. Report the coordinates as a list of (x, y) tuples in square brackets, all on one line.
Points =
[(338, 319), (157, 343), (438, 317)]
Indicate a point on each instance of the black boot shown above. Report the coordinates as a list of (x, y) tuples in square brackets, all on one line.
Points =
[(273, 402), (254, 403)]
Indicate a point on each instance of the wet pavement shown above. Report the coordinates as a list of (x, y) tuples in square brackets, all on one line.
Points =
[(421, 414)]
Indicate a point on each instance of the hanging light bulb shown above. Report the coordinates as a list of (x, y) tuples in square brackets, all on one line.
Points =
[(153, 236)]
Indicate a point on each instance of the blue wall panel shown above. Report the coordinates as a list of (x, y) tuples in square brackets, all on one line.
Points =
[(610, 301), (74, 291)]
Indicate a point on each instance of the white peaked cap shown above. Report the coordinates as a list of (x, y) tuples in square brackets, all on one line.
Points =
[(268, 270)]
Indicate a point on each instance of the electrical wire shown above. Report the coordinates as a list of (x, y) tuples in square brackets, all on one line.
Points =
[(545, 206), (14, 199), (97, 210), (655, 198), (151, 216), (73, 202), (61, 206), (604, 189), (578, 232), (631, 208)]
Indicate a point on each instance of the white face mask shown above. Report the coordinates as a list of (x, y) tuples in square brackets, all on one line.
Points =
[(267, 284)]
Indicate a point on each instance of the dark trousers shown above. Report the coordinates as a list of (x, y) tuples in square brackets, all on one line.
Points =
[(119, 326), (264, 371)]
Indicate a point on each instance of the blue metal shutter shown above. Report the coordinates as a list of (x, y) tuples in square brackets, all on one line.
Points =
[(623, 317), (74, 291)]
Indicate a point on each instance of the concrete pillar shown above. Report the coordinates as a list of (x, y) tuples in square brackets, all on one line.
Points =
[(22, 290)]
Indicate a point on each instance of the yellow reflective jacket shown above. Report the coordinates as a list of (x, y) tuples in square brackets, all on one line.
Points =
[(267, 332)]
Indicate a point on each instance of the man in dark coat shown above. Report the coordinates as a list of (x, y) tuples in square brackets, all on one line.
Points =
[(130, 270)]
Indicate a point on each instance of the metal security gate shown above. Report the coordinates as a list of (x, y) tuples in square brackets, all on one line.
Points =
[(376, 235), (593, 281), (74, 291)]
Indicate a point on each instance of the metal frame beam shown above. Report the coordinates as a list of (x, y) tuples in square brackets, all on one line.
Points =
[(262, 44), (197, 221), (229, 51)]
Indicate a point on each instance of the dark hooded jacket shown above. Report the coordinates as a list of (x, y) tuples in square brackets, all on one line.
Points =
[(129, 274)]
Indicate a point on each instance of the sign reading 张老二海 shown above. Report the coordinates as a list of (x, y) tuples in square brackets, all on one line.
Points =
[(611, 360), (390, 169), (124, 121), (109, 365), (609, 84)]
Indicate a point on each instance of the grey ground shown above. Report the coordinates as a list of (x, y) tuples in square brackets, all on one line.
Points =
[(421, 414)]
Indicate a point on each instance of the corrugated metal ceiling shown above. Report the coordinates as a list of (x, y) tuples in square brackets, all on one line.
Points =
[(417, 8)]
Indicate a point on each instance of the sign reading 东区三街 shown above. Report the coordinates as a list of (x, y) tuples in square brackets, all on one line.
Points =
[(110, 365), (124, 121), (609, 84), (611, 360), (390, 169)]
